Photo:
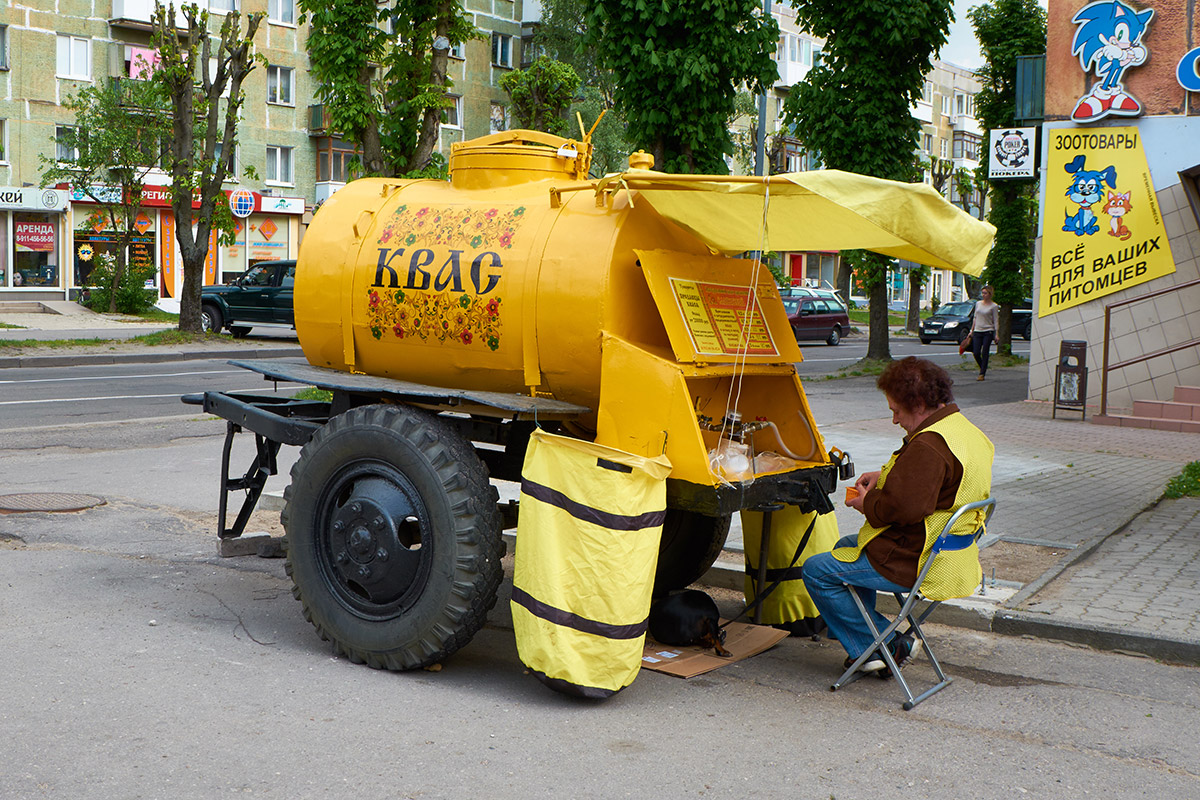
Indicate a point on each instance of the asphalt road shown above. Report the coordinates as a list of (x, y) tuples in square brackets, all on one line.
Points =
[(136, 663), (821, 359)]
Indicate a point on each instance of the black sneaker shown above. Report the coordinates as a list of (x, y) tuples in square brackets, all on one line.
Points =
[(874, 663), (903, 648)]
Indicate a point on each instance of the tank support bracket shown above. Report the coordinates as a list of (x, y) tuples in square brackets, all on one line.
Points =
[(263, 466)]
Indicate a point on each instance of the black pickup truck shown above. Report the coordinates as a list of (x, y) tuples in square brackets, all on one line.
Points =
[(262, 295)]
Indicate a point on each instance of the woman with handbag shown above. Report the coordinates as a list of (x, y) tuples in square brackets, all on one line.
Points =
[(984, 323)]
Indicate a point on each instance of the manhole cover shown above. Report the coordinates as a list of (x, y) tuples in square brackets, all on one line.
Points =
[(48, 501)]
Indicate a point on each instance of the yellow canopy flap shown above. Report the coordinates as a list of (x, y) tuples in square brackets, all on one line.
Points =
[(818, 210)]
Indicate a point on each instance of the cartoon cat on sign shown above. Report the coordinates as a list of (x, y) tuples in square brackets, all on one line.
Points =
[(1117, 207)]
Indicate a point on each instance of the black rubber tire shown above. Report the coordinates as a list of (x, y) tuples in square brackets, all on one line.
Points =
[(211, 319), (925, 341), (690, 545), (835, 336), (393, 537), (1027, 334), (963, 334), (239, 331)]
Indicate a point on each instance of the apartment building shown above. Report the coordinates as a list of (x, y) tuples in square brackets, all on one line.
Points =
[(48, 245)]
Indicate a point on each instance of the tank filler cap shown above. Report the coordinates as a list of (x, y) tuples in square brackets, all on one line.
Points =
[(568, 150), (641, 160)]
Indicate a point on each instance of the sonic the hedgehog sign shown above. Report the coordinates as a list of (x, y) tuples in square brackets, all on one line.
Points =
[(1108, 42), (1102, 229)]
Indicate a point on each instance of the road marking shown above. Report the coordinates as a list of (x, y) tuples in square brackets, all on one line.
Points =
[(109, 397), (129, 377)]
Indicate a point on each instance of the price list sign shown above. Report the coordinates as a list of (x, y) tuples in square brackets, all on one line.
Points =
[(722, 319)]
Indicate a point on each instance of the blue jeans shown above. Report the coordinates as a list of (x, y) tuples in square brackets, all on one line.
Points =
[(825, 576)]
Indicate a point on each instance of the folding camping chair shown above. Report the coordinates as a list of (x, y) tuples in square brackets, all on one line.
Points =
[(908, 610)]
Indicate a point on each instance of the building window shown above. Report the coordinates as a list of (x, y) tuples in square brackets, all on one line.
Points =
[(279, 165), (75, 58), (140, 61), (501, 50), (499, 117), (945, 105), (453, 111), (943, 148), (230, 165), (3, 47), (64, 149), (282, 11), (927, 93), (966, 145), (279, 85), (926, 143), (222, 6), (337, 161), (456, 51), (964, 104), (3, 141)]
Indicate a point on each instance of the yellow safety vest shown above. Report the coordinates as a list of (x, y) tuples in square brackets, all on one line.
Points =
[(956, 573)]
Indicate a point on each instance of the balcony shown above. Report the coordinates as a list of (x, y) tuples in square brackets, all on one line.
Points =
[(790, 73), (319, 123), (139, 14), (325, 190), (922, 111), (964, 124)]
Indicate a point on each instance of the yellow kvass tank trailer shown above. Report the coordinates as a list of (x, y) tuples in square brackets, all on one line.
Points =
[(448, 319)]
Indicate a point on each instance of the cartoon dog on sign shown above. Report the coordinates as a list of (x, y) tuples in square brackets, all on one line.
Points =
[(1085, 190)]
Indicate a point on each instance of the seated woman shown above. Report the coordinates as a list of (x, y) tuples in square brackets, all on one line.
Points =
[(943, 463)]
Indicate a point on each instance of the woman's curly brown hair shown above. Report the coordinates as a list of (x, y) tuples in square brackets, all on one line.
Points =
[(916, 383)]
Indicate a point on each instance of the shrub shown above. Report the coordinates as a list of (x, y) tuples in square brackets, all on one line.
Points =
[(132, 295)]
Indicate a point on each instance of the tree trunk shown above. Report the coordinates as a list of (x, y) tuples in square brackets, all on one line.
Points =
[(1004, 332), (432, 118), (842, 279), (878, 348), (915, 282)]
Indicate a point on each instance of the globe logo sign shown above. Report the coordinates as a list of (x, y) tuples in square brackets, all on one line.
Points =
[(241, 203)]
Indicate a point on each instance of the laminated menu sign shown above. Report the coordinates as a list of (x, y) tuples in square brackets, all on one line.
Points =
[(722, 319)]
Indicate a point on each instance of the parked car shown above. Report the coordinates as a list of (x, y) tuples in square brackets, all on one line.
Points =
[(817, 318), (825, 294), (952, 322), (262, 295)]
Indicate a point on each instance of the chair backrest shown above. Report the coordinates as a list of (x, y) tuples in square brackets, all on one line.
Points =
[(945, 541)]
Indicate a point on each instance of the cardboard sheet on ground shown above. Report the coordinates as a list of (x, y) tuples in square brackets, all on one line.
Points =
[(741, 639)]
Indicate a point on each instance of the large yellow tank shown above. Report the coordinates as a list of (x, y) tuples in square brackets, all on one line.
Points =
[(516, 276)]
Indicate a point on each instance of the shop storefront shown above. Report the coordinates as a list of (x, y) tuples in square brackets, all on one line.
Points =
[(32, 223), (266, 228), (1120, 197)]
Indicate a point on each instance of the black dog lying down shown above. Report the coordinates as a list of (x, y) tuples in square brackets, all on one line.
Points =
[(688, 617)]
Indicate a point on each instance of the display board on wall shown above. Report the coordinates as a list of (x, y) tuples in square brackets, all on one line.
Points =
[(1102, 228), (1012, 153)]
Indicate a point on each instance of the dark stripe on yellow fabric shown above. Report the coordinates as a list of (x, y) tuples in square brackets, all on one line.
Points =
[(574, 621), (616, 522), (788, 574)]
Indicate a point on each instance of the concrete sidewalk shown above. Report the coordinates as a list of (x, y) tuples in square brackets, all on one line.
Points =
[(1122, 566)]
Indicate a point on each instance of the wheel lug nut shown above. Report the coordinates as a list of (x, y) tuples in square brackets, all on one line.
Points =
[(356, 508), (381, 554), (339, 526), (364, 572), (377, 523), (341, 557)]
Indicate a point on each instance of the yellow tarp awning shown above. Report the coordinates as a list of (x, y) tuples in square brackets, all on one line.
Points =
[(818, 210)]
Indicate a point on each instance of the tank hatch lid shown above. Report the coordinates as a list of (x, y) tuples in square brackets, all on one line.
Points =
[(710, 312), (516, 406)]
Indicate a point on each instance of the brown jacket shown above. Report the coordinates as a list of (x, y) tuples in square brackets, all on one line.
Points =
[(924, 478)]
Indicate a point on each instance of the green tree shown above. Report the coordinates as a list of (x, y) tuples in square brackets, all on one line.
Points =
[(853, 108), (117, 139), (561, 35), (678, 66), (1007, 29), (202, 77), (386, 92), (542, 94)]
